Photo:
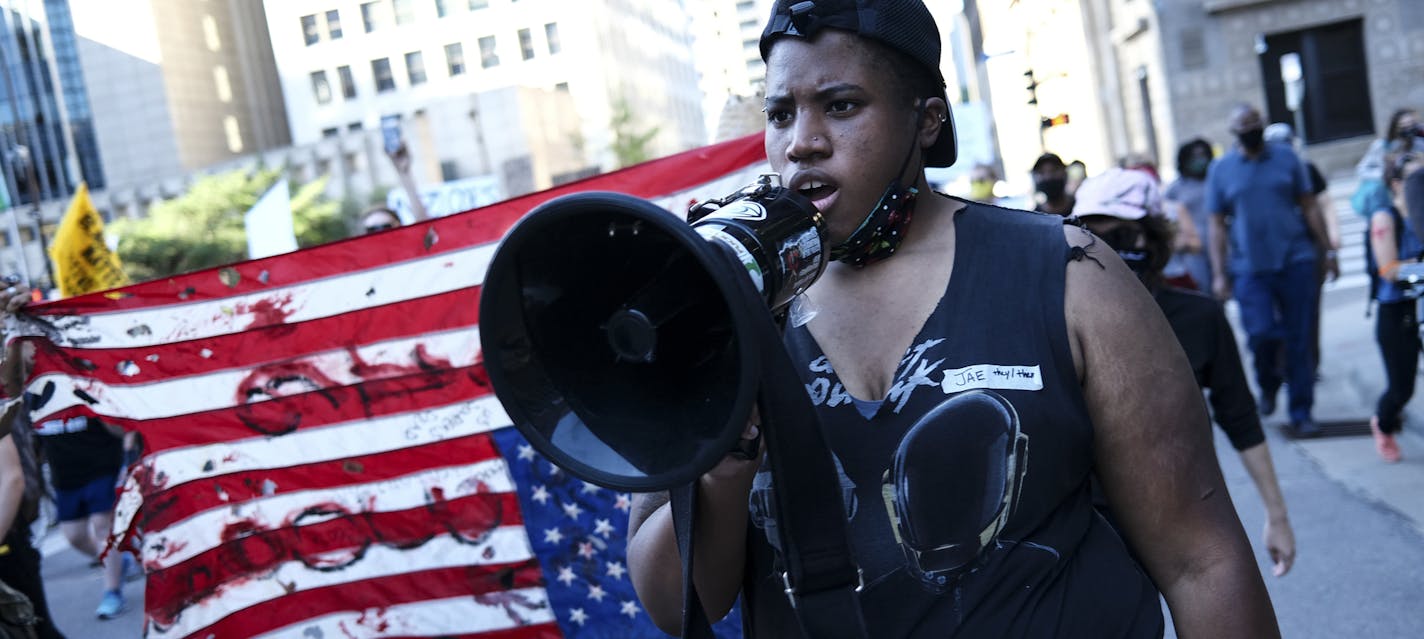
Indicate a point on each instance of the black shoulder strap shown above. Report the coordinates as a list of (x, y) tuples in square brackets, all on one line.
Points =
[(821, 579)]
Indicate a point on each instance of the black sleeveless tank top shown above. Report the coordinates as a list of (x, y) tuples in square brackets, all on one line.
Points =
[(1053, 568)]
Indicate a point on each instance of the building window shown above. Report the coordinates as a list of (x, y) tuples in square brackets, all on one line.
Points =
[(455, 59), (223, 83), (415, 67), (330, 132), (488, 58), (478, 4), (1331, 55), (348, 83), (333, 24), (381, 69), (551, 34), (1193, 49), (449, 171), (234, 134), (405, 11), (442, 7), (526, 44), (354, 126), (370, 15), (309, 32), (321, 87), (210, 34)]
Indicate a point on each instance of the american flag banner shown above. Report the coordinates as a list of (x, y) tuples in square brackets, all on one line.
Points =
[(323, 456)]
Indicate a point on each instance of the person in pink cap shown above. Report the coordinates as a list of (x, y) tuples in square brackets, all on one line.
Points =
[(1125, 209)]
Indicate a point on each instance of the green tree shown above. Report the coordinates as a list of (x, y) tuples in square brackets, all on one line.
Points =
[(630, 146), (203, 227)]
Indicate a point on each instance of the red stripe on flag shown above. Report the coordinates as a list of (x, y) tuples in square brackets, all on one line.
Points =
[(479, 226), (381, 593), (276, 342), (338, 541), (542, 631), (167, 506)]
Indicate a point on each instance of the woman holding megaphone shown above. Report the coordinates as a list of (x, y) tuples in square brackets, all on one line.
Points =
[(967, 517)]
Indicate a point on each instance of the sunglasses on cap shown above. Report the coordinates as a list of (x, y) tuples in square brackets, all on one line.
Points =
[(385, 226)]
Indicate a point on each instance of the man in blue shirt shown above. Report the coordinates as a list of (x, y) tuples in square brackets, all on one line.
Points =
[(1261, 204)]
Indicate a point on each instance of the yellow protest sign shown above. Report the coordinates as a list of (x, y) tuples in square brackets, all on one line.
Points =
[(83, 263)]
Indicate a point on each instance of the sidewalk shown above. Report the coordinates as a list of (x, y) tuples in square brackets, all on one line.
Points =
[(1351, 379)]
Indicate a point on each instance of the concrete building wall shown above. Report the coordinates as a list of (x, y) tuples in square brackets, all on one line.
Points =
[(1210, 54), (592, 53), (118, 49), (177, 85), (726, 33)]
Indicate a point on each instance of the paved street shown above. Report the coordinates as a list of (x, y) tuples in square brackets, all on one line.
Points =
[(1359, 523)]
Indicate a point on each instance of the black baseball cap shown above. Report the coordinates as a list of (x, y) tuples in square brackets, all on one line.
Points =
[(903, 25)]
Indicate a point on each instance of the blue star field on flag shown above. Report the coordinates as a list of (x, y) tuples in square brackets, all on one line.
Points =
[(579, 532)]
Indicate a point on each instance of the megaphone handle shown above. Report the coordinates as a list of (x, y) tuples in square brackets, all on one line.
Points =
[(695, 624)]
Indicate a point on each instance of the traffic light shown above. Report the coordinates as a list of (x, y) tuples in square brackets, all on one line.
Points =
[(1061, 118), (1032, 87)]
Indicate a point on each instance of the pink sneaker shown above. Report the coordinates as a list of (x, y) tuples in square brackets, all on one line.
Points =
[(1385, 443)]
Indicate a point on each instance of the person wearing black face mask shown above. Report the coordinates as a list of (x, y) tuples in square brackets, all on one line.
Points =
[(1184, 198), (1123, 208), (1278, 249), (1050, 177)]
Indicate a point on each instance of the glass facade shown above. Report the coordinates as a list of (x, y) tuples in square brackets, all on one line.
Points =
[(34, 155)]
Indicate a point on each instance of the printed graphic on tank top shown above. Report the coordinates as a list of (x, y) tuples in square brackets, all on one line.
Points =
[(966, 487)]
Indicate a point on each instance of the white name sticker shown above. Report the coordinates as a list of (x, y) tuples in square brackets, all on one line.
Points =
[(1027, 378)]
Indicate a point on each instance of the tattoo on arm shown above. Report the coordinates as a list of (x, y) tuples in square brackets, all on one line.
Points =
[(1079, 253)]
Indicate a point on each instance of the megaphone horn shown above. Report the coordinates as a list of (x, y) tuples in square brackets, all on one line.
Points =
[(610, 327)]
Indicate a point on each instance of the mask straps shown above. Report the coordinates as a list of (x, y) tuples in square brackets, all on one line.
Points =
[(868, 243)]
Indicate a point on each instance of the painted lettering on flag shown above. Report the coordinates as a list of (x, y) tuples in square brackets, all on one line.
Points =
[(323, 454)]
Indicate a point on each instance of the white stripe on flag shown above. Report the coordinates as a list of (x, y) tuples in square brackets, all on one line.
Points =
[(424, 427), (338, 441), (506, 544), (433, 618), (203, 531), (314, 299), (200, 393)]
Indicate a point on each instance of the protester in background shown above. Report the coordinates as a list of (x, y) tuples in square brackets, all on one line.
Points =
[(1277, 245), (381, 218), (1392, 241), (1077, 172), (21, 487), (85, 457), (1281, 133), (1184, 205), (982, 180), (378, 219), (1050, 177), (1123, 209), (856, 110), (1372, 195)]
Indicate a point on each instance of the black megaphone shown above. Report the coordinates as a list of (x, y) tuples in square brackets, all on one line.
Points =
[(610, 328)]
